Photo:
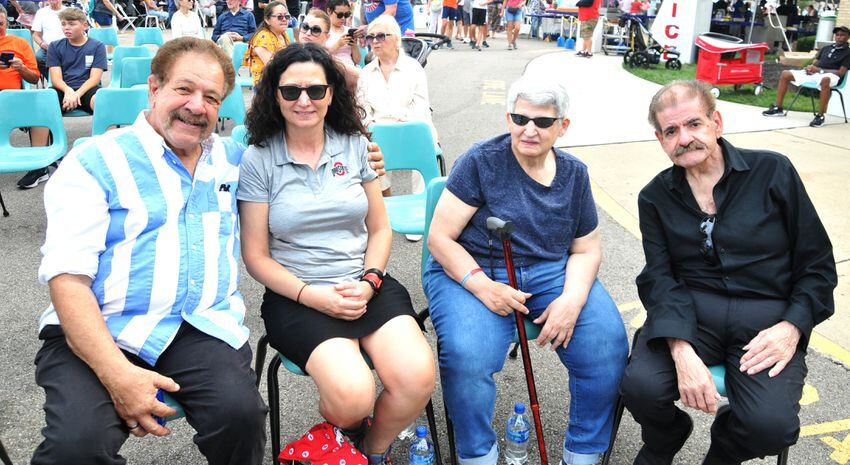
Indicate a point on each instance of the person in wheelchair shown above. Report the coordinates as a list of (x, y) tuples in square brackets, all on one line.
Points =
[(739, 269), (315, 232), (557, 249)]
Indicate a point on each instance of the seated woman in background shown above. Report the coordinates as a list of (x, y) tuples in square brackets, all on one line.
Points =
[(393, 87), (340, 43), (557, 248), (186, 21), (269, 39), (315, 232)]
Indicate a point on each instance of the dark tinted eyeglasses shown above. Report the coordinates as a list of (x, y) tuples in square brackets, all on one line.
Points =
[(706, 247), (315, 30), (379, 37), (343, 15), (293, 93), (541, 122), (281, 17)]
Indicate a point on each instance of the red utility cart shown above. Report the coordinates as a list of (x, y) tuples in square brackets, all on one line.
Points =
[(725, 62)]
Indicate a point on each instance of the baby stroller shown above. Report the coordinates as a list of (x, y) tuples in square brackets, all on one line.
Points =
[(644, 49), (420, 46)]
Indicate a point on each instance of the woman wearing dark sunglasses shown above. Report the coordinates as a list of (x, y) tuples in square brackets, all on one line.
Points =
[(315, 232), (269, 39), (341, 42), (557, 250), (314, 29)]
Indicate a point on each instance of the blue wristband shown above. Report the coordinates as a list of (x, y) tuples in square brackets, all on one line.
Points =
[(469, 275)]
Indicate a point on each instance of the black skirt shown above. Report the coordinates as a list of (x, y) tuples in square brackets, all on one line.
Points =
[(295, 330)]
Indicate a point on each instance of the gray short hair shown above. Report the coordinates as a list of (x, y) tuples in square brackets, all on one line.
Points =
[(690, 88), (541, 91)]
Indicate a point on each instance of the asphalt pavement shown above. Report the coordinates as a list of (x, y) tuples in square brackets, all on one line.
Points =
[(467, 94)]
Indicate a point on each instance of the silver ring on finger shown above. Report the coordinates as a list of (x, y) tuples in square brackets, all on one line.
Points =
[(131, 428)]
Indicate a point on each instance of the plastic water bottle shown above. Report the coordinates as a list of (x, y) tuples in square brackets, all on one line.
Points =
[(516, 436), (407, 433), (421, 449)]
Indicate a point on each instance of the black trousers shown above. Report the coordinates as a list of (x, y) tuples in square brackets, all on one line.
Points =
[(217, 392), (763, 418)]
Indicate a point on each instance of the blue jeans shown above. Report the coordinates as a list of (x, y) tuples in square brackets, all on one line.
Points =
[(535, 26), (474, 343)]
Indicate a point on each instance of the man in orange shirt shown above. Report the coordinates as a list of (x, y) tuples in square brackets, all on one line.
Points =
[(450, 15), (18, 64)]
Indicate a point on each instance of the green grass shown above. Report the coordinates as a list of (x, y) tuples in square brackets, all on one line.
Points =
[(660, 75)]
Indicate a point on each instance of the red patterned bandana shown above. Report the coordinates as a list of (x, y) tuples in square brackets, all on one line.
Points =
[(323, 445)]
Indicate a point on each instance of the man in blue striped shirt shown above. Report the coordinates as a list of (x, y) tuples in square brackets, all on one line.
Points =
[(142, 260)]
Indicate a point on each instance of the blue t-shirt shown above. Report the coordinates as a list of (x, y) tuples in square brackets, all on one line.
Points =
[(403, 13), (77, 62), (547, 219)]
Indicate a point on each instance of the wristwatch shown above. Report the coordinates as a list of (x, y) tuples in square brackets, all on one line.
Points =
[(375, 278)]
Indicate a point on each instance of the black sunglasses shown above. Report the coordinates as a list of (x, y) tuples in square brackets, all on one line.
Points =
[(344, 15), (706, 248), (541, 122), (379, 37), (281, 17), (293, 93), (315, 30)]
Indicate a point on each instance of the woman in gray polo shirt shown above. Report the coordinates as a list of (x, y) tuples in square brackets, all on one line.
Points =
[(315, 232)]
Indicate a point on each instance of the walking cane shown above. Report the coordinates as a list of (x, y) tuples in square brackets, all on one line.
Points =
[(504, 229)]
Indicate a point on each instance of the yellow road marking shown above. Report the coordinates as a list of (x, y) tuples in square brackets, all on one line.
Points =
[(825, 428), (841, 449), (492, 98), (810, 395), (615, 210), (493, 85), (829, 348)]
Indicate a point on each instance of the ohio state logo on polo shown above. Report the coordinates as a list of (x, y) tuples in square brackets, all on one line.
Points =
[(339, 169)]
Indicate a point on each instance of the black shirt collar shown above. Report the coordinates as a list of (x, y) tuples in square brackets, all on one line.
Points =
[(732, 160)]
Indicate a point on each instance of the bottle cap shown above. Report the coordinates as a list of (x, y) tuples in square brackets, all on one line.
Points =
[(421, 431), (519, 407)]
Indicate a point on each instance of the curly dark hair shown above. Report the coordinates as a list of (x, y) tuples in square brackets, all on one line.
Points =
[(264, 120)]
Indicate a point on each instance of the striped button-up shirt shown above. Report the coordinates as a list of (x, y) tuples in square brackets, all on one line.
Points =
[(160, 246)]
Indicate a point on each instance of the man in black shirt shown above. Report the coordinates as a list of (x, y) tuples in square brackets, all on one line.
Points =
[(739, 269), (828, 71)]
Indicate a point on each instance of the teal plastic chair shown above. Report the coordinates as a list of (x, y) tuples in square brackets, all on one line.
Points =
[(148, 36), (22, 33), (240, 134), (122, 52), (169, 401), (232, 108), (117, 107), (363, 53), (718, 374), (239, 50), (291, 34), (135, 71), (32, 108), (813, 88), (107, 35), (407, 146)]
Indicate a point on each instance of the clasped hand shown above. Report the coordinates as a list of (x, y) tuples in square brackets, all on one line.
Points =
[(345, 301)]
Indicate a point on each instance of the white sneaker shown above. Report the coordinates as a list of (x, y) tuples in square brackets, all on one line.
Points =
[(413, 237)]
